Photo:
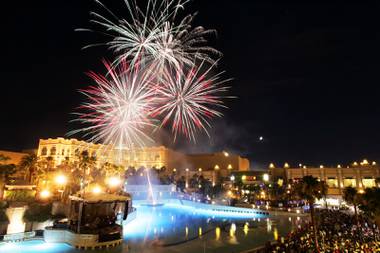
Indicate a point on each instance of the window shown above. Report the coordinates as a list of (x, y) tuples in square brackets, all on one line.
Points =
[(53, 151), (63, 152), (368, 182), (332, 182), (347, 182), (44, 151)]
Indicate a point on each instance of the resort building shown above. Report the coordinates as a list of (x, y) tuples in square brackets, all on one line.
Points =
[(60, 150), (359, 175)]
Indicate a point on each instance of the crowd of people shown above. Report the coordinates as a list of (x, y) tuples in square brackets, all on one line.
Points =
[(337, 232)]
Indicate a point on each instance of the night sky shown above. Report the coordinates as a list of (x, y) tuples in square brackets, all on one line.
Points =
[(306, 76)]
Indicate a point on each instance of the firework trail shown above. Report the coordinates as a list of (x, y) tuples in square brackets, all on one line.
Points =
[(118, 107), (152, 36), (186, 99)]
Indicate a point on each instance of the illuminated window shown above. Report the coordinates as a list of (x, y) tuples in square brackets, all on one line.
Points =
[(347, 182), (53, 151), (332, 182), (44, 151), (368, 182)]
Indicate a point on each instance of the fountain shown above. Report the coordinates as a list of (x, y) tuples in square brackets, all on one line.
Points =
[(152, 201)]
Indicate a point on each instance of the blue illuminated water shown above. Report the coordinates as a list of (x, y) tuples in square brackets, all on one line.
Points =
[(174, 228)]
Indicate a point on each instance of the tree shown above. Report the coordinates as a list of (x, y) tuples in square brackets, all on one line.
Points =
[(370, 204), (351, 196), (324, 190), (37, 212), (29, 164), (4, 221), (6, 170), (85, 165), (309, 189)]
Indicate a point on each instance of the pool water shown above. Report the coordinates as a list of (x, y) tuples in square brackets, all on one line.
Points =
[(173, 228)]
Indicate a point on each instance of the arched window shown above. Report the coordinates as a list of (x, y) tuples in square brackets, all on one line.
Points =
[(44, 151), (53, 151)]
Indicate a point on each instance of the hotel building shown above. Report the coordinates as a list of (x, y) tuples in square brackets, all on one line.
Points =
[(60, 150), (359, 175)]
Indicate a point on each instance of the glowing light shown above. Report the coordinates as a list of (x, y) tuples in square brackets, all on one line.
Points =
[(226, 154), (244, 177), (200, 169), (364, 162), (232, 229), (339, 166), (266, 177), (61, 179), (200, 231), (373, 163), (113, 181), (321, 166), (217, 233), (96, 189), (271, 166), (229, 167), (187, 169), (275, 234), (232, 178), (286, 165), (45, 194), (246, 228), (216, 167)]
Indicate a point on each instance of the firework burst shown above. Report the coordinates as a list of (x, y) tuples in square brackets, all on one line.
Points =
[(118, 107), (152, 35), (187, 99)]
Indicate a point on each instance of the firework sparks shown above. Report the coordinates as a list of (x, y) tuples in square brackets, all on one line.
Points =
[(186, 99), (152, 36), (118, 107)]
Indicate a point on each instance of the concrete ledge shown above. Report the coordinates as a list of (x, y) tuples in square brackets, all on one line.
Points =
[(79, 241)]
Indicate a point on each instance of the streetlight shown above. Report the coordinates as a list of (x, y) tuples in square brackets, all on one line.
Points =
[(96, 189), (61, 179), (44, 194), (113, 181)]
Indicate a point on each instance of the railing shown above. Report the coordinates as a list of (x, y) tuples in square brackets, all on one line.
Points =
[(19, 236)]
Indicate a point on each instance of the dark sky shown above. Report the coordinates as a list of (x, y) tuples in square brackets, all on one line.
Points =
[(306, 76)]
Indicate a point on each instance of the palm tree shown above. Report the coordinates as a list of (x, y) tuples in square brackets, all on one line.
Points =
[(85, 164), (324, 190), (6, 170), (37, 212), (351, 196), (309, 189), (29, 164)]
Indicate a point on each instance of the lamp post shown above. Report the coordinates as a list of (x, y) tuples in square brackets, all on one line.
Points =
[(61, 180)]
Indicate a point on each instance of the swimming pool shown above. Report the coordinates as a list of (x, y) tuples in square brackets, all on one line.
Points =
[(173, 228)]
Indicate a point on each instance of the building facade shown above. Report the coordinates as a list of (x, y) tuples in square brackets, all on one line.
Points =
[(60, 150), (358, 175)]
